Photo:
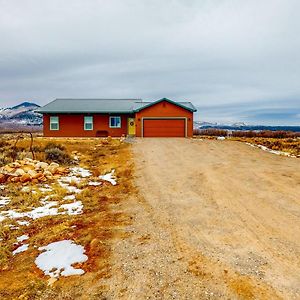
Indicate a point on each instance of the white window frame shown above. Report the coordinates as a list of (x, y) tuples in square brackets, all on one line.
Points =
[(90, 122), (54, 122), (110, 118)]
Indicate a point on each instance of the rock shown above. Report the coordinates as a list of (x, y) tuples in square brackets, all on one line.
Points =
[(8, 169), (52, 169), (19, 172), (28, 168), (37, 175), (15, 165), (2, 178), (41, 165), (54, 164), (32, 173), (25, 178), (15, 179), (47, 173), (27, 159), (42, 178), (60, 170)]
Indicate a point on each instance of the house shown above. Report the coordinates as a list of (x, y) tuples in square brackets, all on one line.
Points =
[(117, 117)]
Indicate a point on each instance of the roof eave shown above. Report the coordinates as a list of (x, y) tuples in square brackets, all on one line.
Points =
[(86, 112)]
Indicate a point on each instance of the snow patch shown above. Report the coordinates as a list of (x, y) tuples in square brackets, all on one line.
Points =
[(49, 208), (110, 177), (22, 238), (277, 152), (81, 172), (45, 189), (26, 223), (94, 183), (221, 138), (20, 249), (74, 208), (4, 201), (70, 188), (69, 197), (58, 258)]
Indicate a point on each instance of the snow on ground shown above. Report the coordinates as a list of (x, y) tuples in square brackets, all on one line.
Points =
[(81, 172), (49, 208), (53, 208), (20, 249), (74, 208), (26, 223), (110, 177), (22, 238), (264, 148), (45, 189), (94, 183), (221, 138), (13, 227), (4, 201), (69, 197), (58, 258), (64, 182)]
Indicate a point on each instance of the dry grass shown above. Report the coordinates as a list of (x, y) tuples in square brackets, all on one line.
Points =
[(279, 134), (100, 223), (289, 145)]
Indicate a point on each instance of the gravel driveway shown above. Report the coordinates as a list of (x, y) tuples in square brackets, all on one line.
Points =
[(212, 219)]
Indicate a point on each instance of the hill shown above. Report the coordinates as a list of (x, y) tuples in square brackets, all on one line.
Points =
[(20, 117)]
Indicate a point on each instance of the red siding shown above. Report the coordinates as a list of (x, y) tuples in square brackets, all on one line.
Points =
[(161, 110), (71, 125)]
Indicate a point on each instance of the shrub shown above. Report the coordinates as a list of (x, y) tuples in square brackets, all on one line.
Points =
[(4, 160), (52, 145), (3, 143), (57, 155), (210, 132), (280, 134)]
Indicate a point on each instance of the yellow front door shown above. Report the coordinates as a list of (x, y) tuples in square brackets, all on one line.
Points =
[(131, 126)]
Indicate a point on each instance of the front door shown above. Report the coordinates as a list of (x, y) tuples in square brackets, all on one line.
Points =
[(131, 126)]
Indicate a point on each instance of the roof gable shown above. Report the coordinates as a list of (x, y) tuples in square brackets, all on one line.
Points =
[(185, 105)]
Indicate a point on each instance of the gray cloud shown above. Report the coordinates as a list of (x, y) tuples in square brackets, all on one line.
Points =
[(235, 60)]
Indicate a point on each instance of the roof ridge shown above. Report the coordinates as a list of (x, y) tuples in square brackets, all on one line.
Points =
[(135, 99)]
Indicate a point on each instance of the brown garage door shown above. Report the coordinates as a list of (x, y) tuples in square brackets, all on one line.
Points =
[(164, 128)]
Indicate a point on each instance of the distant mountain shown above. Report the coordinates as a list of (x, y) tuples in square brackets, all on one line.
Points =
[(21, 115), (243, 126)]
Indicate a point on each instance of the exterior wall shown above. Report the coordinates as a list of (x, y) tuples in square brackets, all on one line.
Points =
[(164, 109), (72, 125)]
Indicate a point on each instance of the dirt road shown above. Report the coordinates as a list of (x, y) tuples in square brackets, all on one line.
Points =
[(213, 219)]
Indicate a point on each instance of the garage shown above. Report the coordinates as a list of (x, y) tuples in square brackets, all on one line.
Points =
[(164, 127)]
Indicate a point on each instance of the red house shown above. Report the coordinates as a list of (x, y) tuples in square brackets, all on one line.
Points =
[(117, 117)]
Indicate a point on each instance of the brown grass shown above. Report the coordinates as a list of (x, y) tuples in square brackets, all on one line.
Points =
[(95, 229), (289, 145)]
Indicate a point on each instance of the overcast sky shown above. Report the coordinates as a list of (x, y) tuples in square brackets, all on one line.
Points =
[(235, 60)]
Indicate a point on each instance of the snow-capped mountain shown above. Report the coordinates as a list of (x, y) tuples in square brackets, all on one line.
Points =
[(23, 114), (198, 124)]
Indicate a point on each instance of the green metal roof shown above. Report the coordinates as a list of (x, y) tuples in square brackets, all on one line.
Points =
[(185, 105), (64, 105)]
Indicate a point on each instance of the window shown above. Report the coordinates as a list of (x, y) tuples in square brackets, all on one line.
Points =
[(115, 122), (54, 123), (88, 123)]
